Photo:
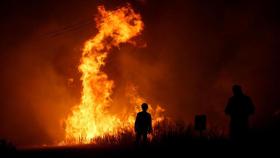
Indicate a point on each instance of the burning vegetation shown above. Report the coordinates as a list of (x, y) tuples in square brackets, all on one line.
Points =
[(90, 119)]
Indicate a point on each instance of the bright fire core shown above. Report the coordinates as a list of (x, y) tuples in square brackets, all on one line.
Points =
[(90, 119)]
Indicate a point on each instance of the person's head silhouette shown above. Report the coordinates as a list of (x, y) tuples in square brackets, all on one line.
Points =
[(144, 106), (237, 90)]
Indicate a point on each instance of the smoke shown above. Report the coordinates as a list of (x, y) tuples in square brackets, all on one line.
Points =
[(197, 50), (39, 78), (35, 95)]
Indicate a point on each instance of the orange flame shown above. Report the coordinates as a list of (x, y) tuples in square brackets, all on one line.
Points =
[(90, 119)]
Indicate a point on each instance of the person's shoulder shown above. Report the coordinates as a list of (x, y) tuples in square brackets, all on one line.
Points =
[(231, 98), (140, 113), (247, 97)]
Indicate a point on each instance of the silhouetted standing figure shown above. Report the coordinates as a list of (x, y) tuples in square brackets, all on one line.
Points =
[(143, 124), (239, 108)]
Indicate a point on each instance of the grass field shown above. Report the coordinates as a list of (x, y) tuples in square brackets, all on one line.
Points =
[(176, 140)]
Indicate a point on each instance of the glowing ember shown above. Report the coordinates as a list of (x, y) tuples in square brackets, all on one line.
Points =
[(90, 119)]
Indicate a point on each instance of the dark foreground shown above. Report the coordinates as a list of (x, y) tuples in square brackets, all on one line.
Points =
[(199, 148), (264, 142)]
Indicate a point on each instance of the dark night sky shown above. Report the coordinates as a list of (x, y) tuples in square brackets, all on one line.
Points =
[(195, 51)]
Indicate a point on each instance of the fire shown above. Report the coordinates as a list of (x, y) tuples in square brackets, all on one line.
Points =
[(90, 119)]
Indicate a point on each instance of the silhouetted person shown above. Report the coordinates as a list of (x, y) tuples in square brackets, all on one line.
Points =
[(143, 124), (239, 108)]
